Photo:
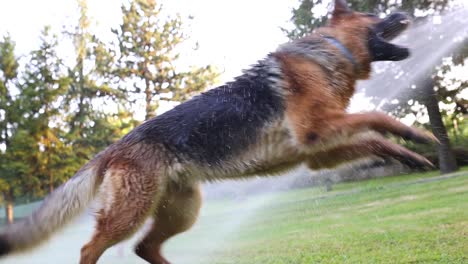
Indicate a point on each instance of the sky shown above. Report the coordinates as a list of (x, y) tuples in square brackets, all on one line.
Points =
[(231, 34)]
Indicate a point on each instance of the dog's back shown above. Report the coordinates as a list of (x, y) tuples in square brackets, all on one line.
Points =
[(221, 123)]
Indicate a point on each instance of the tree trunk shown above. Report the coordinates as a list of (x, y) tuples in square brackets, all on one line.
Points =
[(7, 197), (48, 169), (147, 102), (51, 183), (9, 212), (328, 185), (148, 98), (447, 161)]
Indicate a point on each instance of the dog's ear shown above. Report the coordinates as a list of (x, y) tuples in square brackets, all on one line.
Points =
[(341, 8)]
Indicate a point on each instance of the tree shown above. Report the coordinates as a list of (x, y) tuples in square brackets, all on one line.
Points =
[(304, 19), (93, 107), (9, 69), (307, 16), (14, 142), (451, 88), (44, 85), (147, 53)]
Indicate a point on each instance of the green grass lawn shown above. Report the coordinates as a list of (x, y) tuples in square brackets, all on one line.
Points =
[(402, 219)]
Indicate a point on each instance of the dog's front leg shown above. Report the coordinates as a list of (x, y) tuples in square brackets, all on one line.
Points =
[(351, 124), (363, 148)]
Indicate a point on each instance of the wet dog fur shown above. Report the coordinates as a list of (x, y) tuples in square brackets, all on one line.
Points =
[(288, 109)]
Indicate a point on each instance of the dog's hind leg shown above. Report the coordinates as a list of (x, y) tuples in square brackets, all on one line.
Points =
[(176, 213), (129, 194)]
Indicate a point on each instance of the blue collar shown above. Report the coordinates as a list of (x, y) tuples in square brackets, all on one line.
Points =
[(343, 50)]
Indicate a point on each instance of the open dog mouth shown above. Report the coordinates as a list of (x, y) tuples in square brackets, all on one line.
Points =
[(384, 31)]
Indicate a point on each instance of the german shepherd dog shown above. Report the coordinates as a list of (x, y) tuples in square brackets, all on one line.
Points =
[(288, 109)]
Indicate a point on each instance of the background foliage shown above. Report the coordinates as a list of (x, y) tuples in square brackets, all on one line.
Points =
[(55, 116)]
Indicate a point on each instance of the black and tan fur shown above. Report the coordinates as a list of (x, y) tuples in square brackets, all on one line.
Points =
[(288, 109)]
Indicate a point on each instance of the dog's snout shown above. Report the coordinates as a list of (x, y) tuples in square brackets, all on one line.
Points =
[(401, 17), (391, 26)]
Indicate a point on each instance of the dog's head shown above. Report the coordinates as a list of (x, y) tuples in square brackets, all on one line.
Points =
[(367, 36)]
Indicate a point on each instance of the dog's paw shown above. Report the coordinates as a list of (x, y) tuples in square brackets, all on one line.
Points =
[(414, 160), (421, 136)]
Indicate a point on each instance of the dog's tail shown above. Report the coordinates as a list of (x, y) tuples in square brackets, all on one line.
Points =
[(61, 206)]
